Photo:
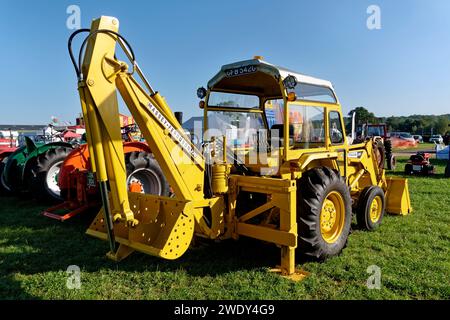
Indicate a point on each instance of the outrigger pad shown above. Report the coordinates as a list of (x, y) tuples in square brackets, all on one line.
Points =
[(397, 196), (165, 229)]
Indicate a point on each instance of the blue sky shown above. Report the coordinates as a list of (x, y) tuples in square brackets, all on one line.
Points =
[(402, 69)]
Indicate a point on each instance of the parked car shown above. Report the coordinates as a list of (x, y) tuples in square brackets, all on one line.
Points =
[(437, 138), (402, 140), (418, 138)]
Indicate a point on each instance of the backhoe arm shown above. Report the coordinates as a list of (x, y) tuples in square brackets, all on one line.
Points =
[(100, 78)]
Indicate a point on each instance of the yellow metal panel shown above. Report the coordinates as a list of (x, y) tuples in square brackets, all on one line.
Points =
[(166, 226), (184, 173), (102, 115), (257, 211), (283, 196), (267, 234)]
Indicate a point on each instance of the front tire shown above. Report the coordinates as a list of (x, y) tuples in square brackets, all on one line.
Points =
[(371, 208), (43, 182), (324, 213)]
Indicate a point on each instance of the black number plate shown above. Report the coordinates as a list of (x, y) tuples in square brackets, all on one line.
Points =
[(241, 71), (90, 180)]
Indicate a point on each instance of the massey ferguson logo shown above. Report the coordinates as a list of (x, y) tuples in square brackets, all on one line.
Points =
[(185, 145)]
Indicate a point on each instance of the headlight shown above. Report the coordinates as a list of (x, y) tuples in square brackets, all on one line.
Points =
[(290, 82), (201, 93)]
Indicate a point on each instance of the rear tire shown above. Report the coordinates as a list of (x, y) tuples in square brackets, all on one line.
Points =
[(380, 153), (144, 170), (13, 183), (388, 146), (391, 161), (43, 181), (4, 190), (322, 233), (371, 208)]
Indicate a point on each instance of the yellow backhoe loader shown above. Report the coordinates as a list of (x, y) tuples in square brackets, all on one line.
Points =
[(274, 163)]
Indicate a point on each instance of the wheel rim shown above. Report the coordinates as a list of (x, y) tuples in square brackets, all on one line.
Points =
[(148, 181), (52, 179), (375, 209), (332, 217)]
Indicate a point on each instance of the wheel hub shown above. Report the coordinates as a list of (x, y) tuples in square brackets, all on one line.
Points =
[(375, 209), (328, 216), (144, 181), (136, 186), (52, 178), (332, 217)]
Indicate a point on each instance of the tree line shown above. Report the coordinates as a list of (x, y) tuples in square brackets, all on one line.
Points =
[(424, 125)]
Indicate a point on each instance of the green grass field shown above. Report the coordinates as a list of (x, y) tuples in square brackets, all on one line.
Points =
[(413, 253)]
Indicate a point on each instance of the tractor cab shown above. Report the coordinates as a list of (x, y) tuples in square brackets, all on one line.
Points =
[(269, 115)]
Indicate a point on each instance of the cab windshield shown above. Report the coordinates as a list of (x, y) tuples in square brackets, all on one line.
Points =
[(233, 100), (240, 128), (375, 131)]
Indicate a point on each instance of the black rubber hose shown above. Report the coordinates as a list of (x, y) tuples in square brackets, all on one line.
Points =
[(72, 36), (69, 46), (107, 32)]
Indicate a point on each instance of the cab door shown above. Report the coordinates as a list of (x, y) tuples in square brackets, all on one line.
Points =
[(336, 138)]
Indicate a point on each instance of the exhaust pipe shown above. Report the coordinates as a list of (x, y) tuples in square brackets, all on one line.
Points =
[(179, 117), (353, 126)]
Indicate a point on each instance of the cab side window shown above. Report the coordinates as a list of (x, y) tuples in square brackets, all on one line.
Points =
[(336, 132), (307, 126)]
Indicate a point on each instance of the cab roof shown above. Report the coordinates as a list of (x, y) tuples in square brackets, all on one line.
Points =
[(222, 81)]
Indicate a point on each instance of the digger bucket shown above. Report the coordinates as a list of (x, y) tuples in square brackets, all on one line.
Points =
[(165, 229), (397, 196)]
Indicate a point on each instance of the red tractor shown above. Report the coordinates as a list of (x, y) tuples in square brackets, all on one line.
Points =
[(419, 163), (77, 184), (7, 147), (5, 151), (78, 188), (384, 142)]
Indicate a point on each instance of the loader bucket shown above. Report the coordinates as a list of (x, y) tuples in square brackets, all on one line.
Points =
[(165, 229), (397, 196)]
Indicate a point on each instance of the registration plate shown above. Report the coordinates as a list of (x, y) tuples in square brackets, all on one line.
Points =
[(417, 168), (91, 180), (241, 71)]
